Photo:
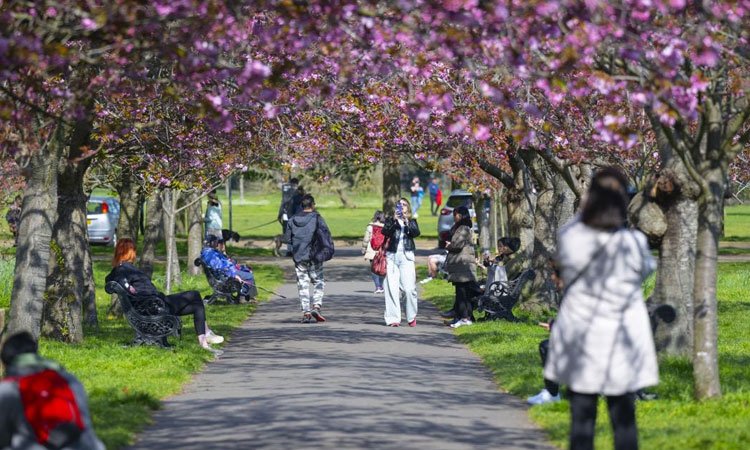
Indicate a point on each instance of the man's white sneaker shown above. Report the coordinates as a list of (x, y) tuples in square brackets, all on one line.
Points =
[(461, 323), (543, 397), (426, 280)]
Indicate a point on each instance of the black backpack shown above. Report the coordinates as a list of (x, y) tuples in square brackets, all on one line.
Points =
[(322, 245)]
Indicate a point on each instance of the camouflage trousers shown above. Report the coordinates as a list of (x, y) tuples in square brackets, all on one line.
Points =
[(310, 280)]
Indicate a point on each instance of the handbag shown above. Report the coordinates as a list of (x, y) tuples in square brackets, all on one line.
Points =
[(379, 264)]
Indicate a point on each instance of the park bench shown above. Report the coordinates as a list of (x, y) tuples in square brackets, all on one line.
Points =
[(226, 287), (500, 297), (148, 316)]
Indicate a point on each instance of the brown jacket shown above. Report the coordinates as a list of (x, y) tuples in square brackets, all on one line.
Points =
[(461, 263)]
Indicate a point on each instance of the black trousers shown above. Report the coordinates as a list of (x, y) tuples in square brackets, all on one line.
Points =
[(552, 387), (583, 420), (465, 293), (186, 303)]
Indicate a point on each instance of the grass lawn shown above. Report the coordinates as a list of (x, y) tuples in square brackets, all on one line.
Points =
[(125, 384), (674, 421), (737, 223), (345, 223)]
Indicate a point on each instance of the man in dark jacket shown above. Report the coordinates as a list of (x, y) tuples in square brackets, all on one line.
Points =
[(305, 231), (56, 423)]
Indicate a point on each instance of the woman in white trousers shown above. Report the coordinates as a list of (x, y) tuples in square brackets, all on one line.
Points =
[(400, 231)]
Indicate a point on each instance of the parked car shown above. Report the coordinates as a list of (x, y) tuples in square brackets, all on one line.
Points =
[(458, 197), (102, 215)]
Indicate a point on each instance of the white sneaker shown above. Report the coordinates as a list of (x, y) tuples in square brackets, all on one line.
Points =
[(461, 323), (543, 397), (426, 280), (214, 339)]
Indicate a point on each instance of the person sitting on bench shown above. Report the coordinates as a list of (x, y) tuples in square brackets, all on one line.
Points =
[(214, 256), (139, 284)]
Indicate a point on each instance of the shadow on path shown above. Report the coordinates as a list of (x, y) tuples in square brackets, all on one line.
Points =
[(348, 383)]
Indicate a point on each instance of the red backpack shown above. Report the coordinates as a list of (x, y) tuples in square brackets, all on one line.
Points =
[(50, 407), (377, 239)]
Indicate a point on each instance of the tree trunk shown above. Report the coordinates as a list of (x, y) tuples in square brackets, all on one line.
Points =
[(705, 353), (195, 232), (521, 203), (130, 207), (169, 202), (555, 207), (674, 278), (152, 234), (66, 283), (675, 192), (391, 184), (345, 202), (34, 236)]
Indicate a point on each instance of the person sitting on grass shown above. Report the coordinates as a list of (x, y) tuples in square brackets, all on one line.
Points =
[(433, 266), (140, 286), (42, 406), (214, 256)]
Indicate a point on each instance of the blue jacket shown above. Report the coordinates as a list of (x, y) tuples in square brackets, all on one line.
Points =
[(218, 261)]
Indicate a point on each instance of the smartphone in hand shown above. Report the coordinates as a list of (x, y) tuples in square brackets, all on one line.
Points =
[(399, 209)]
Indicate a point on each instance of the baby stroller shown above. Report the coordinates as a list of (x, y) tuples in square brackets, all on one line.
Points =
[(500, 294)]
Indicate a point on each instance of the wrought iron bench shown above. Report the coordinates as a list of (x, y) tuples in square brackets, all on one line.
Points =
[(500, 297), (148, 316), (228, 288)]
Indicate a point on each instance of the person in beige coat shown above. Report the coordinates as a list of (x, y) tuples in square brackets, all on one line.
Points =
[(461, 265), (373, 228), (602, 343)]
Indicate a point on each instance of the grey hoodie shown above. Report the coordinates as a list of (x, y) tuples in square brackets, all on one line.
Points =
[(301, 233)]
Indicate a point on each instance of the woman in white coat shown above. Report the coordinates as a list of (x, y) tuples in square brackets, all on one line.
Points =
[(602, 342)]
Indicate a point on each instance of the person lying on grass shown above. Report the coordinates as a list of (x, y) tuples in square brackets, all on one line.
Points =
[(181, 304)]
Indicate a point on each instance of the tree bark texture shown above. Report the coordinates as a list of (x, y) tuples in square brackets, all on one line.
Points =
[(169, 202), (391, 184), (483, 206), (554, 208), (130, 207), (67, 284), (152, 233), (521, 202), (674, 191), (705, 355), (195, 232), (34, 235)]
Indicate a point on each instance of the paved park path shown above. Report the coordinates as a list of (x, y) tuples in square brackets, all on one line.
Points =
[(348, 383)]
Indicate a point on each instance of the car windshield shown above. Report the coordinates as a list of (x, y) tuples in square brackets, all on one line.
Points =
[(456, 201)]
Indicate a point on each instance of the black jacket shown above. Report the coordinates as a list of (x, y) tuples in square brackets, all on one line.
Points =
[(392, 230), (128, 273)]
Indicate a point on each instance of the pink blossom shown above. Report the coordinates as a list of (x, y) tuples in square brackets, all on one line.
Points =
[(481, 132), (89, 24)]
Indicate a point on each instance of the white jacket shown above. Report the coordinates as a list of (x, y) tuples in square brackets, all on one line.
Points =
[(602, 342)]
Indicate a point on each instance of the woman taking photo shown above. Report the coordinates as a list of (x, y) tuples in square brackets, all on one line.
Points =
[(601, 343), (180, 304), (461, 266), (400, 231)]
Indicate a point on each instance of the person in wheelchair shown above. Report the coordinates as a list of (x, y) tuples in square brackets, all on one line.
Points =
[(214, 256)]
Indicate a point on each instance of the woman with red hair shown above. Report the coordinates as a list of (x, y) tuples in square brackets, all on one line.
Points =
[(180, 304)]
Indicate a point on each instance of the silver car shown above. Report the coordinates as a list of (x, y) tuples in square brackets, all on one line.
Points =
[(102, 215), (458, 197)]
